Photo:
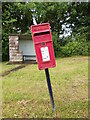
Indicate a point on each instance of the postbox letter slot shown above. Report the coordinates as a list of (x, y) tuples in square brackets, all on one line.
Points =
[(41, 33)]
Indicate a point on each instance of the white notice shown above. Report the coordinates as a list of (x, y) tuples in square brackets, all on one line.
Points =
[(45, 54)]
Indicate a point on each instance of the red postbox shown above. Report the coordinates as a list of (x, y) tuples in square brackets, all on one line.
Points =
[(42, 38)]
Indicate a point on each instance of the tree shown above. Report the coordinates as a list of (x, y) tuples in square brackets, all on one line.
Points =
[(18, 17), (51, 12), (79, 17)]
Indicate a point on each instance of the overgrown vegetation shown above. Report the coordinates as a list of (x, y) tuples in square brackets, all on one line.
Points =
[(25, 91)]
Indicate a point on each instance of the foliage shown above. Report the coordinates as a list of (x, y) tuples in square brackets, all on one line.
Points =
[(77, 45), (52, 13), (18, 17), (5, 47), (75, 48), (78, 16), (15, 19), (56, 43)]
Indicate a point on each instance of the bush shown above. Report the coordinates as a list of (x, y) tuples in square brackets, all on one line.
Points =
[(70, 46), (75, 48), (5, 47), (56, 44)]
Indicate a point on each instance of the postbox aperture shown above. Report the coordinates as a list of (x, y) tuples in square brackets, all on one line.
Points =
[(42, 38)]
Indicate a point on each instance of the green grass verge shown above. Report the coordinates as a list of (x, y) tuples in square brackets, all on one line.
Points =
[(25, 91)]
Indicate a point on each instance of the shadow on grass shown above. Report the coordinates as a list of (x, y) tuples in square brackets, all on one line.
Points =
[(14, 69)]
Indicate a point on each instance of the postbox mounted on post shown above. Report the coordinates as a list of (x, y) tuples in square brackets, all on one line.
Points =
[(42, 38)]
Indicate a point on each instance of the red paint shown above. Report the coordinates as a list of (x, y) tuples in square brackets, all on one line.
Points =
[(42, 38)]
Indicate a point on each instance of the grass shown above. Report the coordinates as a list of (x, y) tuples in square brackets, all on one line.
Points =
[(25, 91), (6, 67)]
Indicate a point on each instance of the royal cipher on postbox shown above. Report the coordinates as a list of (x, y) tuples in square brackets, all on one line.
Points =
[(42, 38)]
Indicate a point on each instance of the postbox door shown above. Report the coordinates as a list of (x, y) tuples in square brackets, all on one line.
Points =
[(43, 46)]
